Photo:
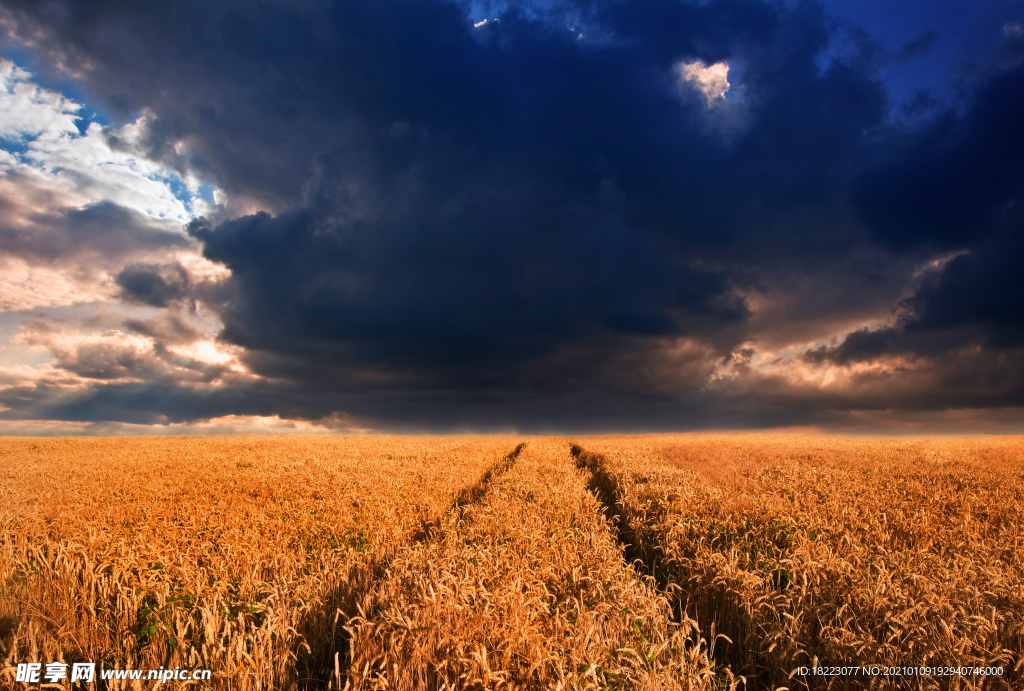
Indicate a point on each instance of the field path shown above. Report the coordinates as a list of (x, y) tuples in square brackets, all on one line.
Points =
[(525, 587)]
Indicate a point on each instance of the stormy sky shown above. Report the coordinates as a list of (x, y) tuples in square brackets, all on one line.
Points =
[(434, 215)]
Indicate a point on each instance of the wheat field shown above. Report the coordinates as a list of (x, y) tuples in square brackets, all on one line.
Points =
[(805, 550), (696, 561)]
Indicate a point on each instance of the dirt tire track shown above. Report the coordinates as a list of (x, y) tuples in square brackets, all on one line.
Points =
[(472, 494), (605, 487), (343, 606), (523, 588)]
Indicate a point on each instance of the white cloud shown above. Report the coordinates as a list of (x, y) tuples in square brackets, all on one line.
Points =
[(27, 112), (710, 80), (61, 242), (48, 166), (50, 152)]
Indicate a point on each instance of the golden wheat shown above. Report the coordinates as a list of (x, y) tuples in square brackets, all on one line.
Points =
[(239, 555), (525, 589), (822, 550), (482, 563)]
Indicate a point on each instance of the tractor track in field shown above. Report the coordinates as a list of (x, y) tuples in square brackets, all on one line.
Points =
[(342, 605), (470, 495), (604, 486)]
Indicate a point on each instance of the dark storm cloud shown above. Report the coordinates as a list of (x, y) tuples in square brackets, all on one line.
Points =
[(538, 220), (918, 46), (167, 327), (143, 403), (254, 91), (109, 359), (115, 355), (950, 185), (532, 195), (959, 186), (975, 301), (104, 232), (152, 284), (981, 291), (155, 403)]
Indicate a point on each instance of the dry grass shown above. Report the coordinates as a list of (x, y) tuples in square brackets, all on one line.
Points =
[(233, 554), (857, 551)]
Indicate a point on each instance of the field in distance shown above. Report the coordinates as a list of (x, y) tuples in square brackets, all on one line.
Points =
[(501, 562)]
